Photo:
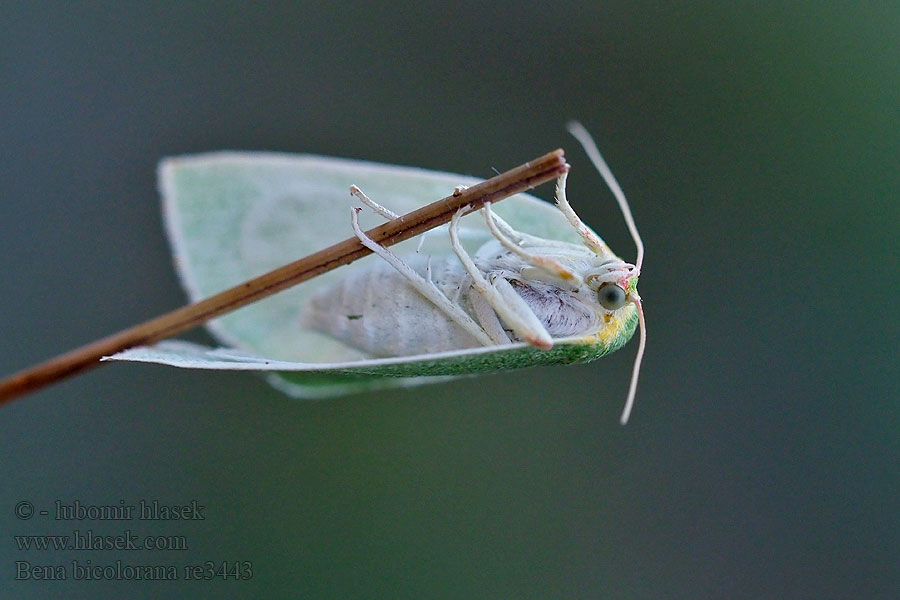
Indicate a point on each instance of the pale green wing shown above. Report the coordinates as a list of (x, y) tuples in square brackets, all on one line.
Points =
[(232, 216)]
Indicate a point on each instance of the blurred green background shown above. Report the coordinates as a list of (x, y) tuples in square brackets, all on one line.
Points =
[(759, 147)]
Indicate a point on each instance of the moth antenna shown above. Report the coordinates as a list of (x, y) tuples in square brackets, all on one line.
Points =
[(632, 389), (587, 142)]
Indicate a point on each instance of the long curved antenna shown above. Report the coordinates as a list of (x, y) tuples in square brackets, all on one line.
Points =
[(632, 389), (587, 142)]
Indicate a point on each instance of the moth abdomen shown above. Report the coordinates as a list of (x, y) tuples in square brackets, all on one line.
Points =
[(377, 311)]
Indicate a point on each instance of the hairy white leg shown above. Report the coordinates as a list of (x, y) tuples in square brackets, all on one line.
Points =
[(390, 215), (499, 294), (589, 237), (420, 284), (387, 214), (515, 302), (530, 241), (487, 317), (551, 267), (517, 236), (526, 239)]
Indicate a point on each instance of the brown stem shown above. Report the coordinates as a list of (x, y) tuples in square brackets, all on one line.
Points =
[(519, 179)]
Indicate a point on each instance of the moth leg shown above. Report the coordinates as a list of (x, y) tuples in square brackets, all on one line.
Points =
[(518, 237), (555, 269), (500, 295), (427, 289), (589, 238), (384, 212), (387, 214), (487, 317), (526, 239)]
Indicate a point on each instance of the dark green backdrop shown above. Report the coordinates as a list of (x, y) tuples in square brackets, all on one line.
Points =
[(760, 150)]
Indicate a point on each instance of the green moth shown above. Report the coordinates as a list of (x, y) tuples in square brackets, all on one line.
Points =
[(521, 284)]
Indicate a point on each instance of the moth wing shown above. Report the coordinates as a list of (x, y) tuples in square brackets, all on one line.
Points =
[(232, 216)]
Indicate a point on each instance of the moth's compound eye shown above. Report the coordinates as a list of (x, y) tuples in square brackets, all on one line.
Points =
[(611, 296)]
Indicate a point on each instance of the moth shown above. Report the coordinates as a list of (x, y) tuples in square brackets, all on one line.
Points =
[(521, 284)]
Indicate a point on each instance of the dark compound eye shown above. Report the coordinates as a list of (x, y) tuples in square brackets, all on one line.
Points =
[(611, 296)]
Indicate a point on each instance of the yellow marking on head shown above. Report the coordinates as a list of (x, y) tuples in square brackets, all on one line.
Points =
[(615, 328)]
